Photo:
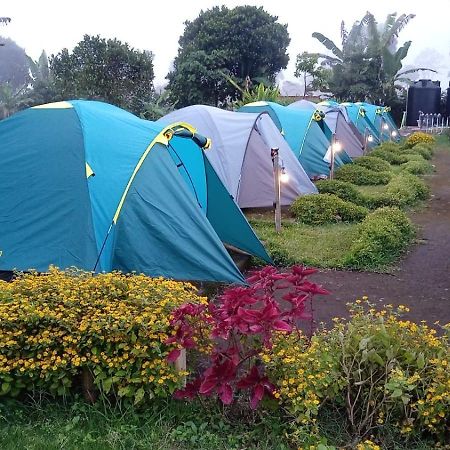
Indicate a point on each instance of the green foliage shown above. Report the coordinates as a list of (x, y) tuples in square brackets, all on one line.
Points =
[(360, 175), (375, 370), (382, 236), (164, 424), (321, 246), (368, 64), (320, 209), (254, 49), (423, 150), (158, 107), (417, 167), (106, 70), (373, 163), (314, 75), (344, 190), (261, 92), (389, 153), (403, 190)]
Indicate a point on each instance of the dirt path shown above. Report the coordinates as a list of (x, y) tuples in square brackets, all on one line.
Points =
[(422, 280)]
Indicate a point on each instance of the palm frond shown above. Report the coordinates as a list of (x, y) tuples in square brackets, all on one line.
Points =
[(396, 28), (417, 69), (344, 33), (329, 44)]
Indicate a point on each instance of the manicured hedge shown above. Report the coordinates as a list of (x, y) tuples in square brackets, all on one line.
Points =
[(382, 236), (373, 163), (320, 209), (343, 189), (417, 167), (357, 174)]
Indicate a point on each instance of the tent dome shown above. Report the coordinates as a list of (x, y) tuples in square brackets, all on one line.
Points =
[(89, 185)]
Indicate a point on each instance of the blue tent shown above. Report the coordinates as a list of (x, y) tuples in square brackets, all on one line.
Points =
[(358, 115), (306, 133), (382, 121), (89, 185)]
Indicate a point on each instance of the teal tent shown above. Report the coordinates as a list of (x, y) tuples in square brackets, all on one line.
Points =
[(382, 121), (358, 115), (306, 133), (89, 185)]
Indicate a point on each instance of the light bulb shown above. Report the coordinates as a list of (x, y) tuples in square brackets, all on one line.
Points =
[(370, 138), (394, 134), (337, 147), (284, 177), (385, 126)]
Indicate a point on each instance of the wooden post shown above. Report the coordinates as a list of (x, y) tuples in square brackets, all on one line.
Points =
[(180, 364), (277, 187)]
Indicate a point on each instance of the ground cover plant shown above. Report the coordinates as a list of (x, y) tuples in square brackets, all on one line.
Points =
[(280, 387), (384, 377), (104, 335), (320, 209), (360, 175), (381, 238)]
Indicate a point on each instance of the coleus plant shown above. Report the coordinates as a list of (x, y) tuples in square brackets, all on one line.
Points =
[(237, 327)]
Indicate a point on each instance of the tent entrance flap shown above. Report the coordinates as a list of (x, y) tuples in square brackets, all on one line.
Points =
[(228, 220), (163, 232)]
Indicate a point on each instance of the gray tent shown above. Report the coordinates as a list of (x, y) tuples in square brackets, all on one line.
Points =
[(339, 123), (240, 154)]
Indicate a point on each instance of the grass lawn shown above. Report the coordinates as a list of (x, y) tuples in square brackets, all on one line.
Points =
[(164, 425), (320, 246)]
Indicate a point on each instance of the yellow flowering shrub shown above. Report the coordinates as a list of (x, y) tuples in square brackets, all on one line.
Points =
[(375, 367), (419, 138), (55, 327)]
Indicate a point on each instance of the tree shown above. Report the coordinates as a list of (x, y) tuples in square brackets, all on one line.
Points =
[(241, 42), (12, 99), (106, 70), (314, 75), (42, 84), (4, 21), (368, 64)]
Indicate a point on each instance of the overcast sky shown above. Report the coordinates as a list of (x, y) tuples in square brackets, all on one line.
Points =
[(156, 25)]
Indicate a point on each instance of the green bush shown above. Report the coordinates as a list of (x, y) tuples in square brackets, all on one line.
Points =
[(417, 167), (413, 157), (375, 370), (344, 190), (422, 149), (382, 236), (405, 189), (357, 174), (373, 163), (319, 209), (391, 156), (65, 327)]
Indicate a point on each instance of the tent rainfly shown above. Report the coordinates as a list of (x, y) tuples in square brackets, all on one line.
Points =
[(87, 184), (241, 154), (348, 136), (381, 120), (306, 133), (358, 116)]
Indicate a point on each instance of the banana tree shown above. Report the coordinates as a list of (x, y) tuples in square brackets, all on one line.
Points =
[(375, 48)]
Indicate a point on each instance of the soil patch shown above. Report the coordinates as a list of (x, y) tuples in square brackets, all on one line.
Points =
[(422, 279)]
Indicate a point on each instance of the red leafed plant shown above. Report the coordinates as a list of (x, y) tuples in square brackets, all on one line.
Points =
[(234, 330)]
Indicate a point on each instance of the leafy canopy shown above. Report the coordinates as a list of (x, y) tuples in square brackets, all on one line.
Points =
[(241, 42), (368, 64), (106, 70)]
